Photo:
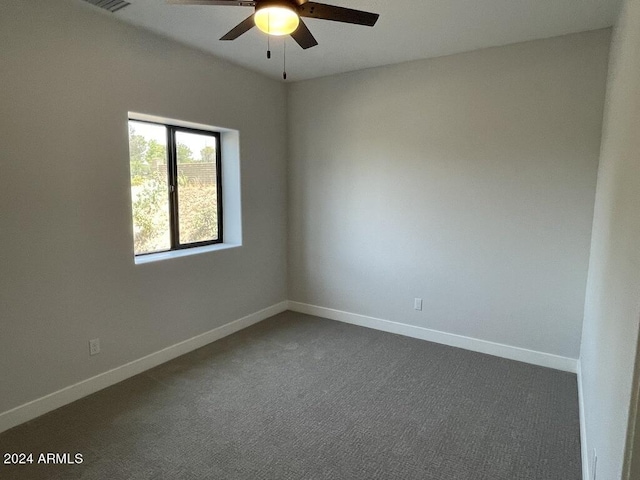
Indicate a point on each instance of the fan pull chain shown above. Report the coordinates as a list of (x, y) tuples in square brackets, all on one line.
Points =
[(269, 36), (284, 60)]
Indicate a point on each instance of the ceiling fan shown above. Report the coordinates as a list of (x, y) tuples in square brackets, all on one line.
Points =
[(282, 17)]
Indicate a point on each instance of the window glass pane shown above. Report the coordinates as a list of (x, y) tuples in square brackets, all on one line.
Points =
[(197, 187), (149, 187)]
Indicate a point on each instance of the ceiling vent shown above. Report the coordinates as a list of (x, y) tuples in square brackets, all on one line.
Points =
[(112, 5)]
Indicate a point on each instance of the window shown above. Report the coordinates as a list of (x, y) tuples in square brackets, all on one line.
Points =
[(176, 187)]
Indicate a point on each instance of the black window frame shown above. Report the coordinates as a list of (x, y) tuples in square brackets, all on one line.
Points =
[(173, 187)]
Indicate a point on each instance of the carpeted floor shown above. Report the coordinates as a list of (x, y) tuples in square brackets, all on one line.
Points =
[(300, 397)]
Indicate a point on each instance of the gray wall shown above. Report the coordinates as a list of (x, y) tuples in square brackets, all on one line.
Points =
[(69, 74), (466, 180), (612, 307)]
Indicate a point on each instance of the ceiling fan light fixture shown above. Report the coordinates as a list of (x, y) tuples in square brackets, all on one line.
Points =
[(280, 19)]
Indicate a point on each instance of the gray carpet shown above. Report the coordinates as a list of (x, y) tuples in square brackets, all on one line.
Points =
[(299, 397)]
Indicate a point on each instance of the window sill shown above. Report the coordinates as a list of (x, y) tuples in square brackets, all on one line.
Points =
[(157, 257)]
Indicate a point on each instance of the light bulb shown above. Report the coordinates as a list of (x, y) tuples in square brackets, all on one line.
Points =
[(279, 20)]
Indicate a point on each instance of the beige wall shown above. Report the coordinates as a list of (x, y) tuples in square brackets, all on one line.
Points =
[(612, 307), (466, 180), (68, 76)]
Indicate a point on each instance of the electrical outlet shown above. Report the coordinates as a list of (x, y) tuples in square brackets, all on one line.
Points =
[(594, 464), (94, 346), (417, 303)]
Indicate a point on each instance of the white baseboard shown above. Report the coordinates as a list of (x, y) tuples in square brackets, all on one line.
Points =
[(483, 346), (40, 406), (584, 452)]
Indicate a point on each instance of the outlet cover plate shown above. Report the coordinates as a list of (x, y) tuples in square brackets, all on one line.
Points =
[(417, 304), (94, 346)]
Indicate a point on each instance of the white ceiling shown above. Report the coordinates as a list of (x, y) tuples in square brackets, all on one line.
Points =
[(406, 30)]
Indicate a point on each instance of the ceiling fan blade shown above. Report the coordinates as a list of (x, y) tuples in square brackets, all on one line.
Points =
[(303, 36), (232, 3), (337, 14), (243, 27)]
